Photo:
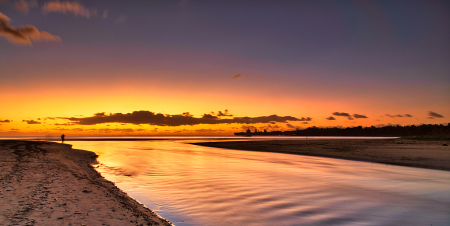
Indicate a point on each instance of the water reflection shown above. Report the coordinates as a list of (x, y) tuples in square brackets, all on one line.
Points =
[(194, 185)]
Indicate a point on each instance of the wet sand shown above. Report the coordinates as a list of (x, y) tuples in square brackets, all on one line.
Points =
[(415, 153), (45, 183)]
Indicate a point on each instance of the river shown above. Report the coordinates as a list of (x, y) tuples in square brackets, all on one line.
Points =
[(196, 185)]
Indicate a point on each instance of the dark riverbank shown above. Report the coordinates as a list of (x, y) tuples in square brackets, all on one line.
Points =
[(416, 153)]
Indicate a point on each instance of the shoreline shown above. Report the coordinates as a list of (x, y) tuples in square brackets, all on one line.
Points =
[(403, 152), (47, 183)]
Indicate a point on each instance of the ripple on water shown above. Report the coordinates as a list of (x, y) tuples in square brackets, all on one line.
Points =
[(193, 185)]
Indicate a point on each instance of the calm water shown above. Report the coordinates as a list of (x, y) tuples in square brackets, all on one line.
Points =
[(194, 185)]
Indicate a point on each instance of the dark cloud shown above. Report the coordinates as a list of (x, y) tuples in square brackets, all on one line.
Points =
[(350, 117), (5, 121), (31, 121), (23, 34), (158, 119), (359, 116), (399, 115), (220, 114), (290, 126), (330, 118), (100, 114), (305, 123), (209, 116), (434, 115), (343, 114)]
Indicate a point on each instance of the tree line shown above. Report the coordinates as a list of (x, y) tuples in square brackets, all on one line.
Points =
[(386, 131)]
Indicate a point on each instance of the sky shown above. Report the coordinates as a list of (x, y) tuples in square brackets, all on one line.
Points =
[(108, 68)]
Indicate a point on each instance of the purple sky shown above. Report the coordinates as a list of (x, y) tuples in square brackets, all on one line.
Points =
[(381, 57)]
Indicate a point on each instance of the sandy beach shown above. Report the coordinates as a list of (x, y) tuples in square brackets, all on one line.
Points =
[(404, 152), (45, 183)]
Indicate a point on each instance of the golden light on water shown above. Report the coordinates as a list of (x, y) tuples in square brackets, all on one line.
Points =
[(197, 185)]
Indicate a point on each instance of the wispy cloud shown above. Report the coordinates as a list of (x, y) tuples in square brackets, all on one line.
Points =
[(238, 76), (23, 34), (399, 116), (63, 124), (108, 130), (151, 118), (68, 7), (121, 19), (209, 130), (434, 115), (22, 6)]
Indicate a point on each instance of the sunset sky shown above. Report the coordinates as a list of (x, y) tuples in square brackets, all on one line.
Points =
[(210, 67)]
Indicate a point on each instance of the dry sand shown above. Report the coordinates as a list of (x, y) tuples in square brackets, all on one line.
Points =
[(416, 153), (52, 184)]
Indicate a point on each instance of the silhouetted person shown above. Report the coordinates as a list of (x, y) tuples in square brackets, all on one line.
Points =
[(62, 138)]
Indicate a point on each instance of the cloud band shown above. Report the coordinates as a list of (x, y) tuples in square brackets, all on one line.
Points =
[(158, 119)]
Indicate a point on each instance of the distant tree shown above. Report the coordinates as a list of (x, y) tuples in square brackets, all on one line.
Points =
[(396, 130)]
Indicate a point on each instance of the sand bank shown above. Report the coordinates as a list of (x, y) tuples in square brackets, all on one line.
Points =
[(45, 183), (424, 154)]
